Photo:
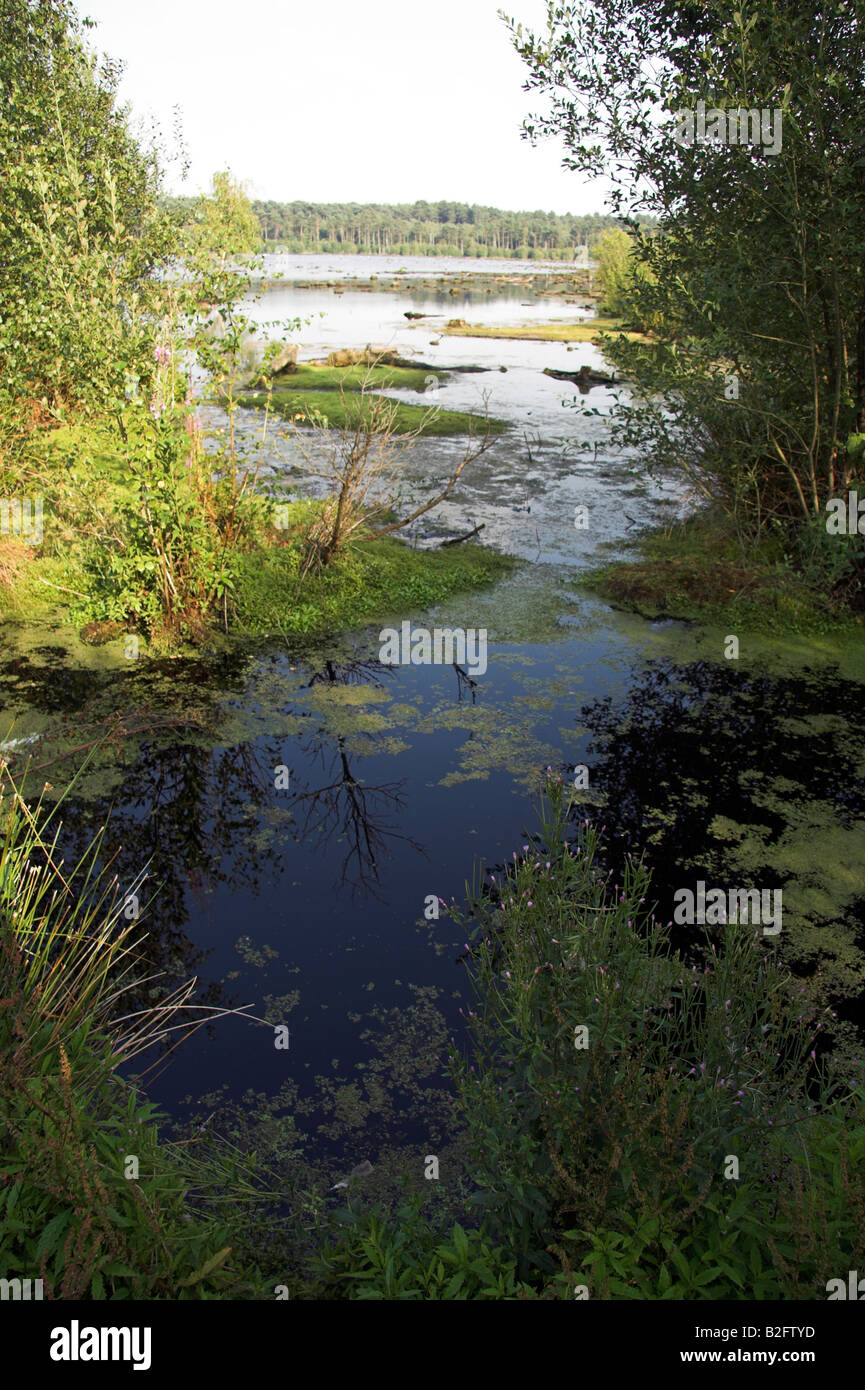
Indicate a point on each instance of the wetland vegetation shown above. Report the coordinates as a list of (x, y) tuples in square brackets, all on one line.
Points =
[(441, 1038)]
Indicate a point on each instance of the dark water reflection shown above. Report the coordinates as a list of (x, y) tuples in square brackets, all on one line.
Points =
[(305, 903)]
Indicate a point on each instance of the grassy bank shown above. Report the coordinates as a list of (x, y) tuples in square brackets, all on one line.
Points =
[(92, 1203), (699, 570), (370, 582), (338, 397), (331, 409), (319, 376), (121, 538), (587, 331)]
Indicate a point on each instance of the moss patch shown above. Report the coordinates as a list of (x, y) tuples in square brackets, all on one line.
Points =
[(315, 376), (332, 395), (698, 571), (370, 581), (329, 408)]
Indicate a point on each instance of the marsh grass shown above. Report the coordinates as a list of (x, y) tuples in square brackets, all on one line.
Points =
[(334, 410), (72, 1211), (700, 570)]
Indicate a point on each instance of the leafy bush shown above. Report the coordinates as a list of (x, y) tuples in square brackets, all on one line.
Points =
[(169, 554)]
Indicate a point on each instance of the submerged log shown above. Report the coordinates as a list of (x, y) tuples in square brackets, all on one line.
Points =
[(586, 376), (433, 366)]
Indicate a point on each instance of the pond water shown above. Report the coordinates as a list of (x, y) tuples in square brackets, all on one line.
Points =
[(524, 491), (305, 902)]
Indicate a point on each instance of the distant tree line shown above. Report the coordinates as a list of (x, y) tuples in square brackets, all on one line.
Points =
[(426, 229)]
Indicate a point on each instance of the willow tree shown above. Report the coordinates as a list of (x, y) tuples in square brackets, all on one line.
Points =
[(224, 224)]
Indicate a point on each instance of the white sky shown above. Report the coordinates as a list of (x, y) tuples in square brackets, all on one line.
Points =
[(343, 100)]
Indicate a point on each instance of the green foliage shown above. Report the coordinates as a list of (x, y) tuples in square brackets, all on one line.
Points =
[(798, 578), (70, 1212), (369, 581), (313, 376), (80, 226), (754, 281), (224, 223), (618, 270), (427, 229), (834, 564), (331, 409), (618, 1138), (739, 1245), (406, 1258), (168, 554)]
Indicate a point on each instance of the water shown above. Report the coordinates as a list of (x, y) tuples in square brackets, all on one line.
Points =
[(526, 489), (306, 904)]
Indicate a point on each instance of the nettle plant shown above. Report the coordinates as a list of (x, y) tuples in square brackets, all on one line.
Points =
[(166, 558)]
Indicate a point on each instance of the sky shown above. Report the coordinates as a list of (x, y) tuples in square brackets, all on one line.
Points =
[(343, 101)]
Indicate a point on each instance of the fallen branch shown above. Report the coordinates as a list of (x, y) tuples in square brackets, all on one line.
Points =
[(468, 535)]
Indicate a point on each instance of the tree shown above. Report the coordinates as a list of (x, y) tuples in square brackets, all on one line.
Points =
[(81, 228), (759, 273), (224, 224), (614, 254)]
